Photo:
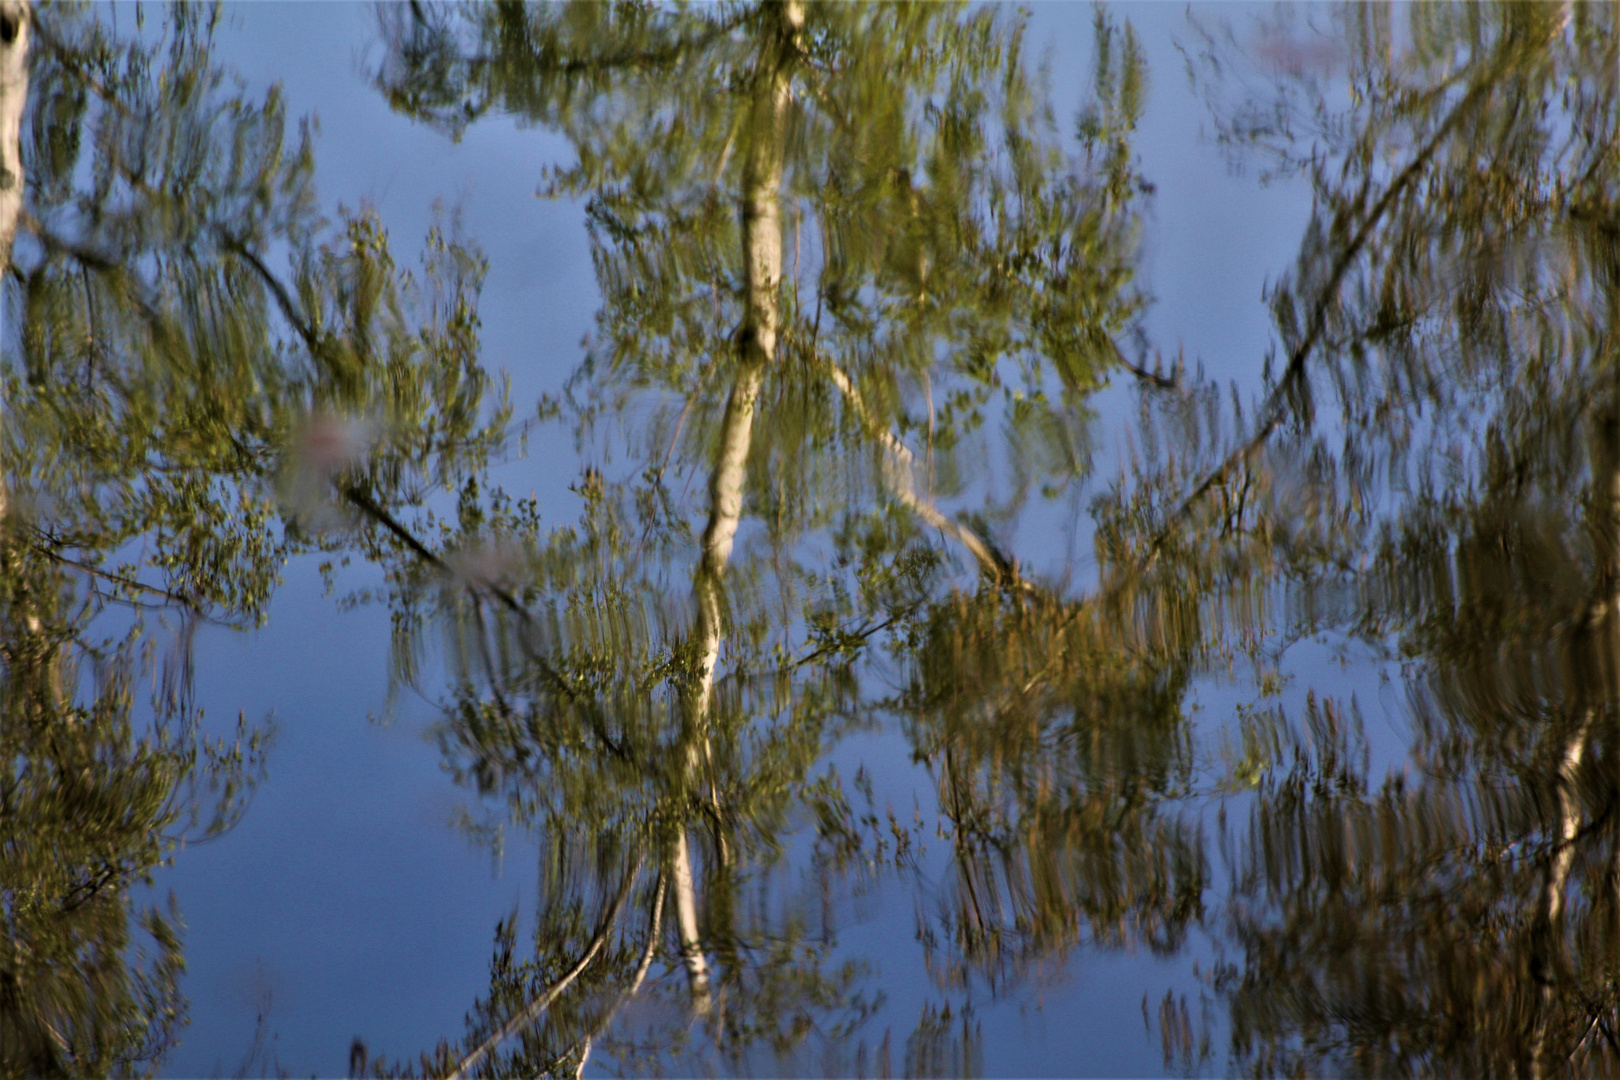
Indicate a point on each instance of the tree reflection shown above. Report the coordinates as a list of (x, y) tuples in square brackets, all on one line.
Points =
[(834, 243), (94, 798), (1459, 917), (164, 390), (853, 280), (1057, 743)]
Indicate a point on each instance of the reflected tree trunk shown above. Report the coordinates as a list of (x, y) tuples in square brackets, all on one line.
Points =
[(16, 17), (1550, 918), (14, 34), (535, 1009), (756, 349), (1593, 680), (654, 928), (686, 924)]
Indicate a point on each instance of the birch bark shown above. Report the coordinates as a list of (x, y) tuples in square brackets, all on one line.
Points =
[(756, 351), (15, 19), (1592, 677)]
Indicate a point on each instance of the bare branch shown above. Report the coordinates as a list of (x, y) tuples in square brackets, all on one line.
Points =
[(655, 924), (900, 471), (1276, 408), (537, 1008), (184, 601), (370, 507), (1154, 378), (284, 301), (70, 59)]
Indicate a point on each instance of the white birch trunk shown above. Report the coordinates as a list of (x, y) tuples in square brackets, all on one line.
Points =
[(761, 323), (15, 26), (686, 925), (1555, 887), (1592, 679), (15, 18)]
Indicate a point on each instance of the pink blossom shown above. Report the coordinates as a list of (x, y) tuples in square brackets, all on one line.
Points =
[(486, 563), (324, 447), (1315, 55)]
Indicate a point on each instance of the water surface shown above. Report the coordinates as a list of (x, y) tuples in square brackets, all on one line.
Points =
[(944, 542)]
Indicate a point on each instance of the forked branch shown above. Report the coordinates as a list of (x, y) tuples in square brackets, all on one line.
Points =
[(537, 1008)]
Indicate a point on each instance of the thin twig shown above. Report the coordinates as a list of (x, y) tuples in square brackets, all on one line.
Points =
[(680, 423), (118, 579), (284, 301), (1275, 410), (70, 59), (656, 924), (536, 1008), (369, 506), (1163, 382)]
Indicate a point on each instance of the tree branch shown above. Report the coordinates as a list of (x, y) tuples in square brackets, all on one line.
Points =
[(537, 1007), (1275, 410), (899, 470), (187, 602), (655, 924), (70, 59), (370, 507), (284, 301)]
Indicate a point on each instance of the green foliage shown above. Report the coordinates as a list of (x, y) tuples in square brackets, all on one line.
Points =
[(949, 269), (175, 415), (1454, 294), (941, 243), (159, 374), (1059, 748), (92, 800)]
